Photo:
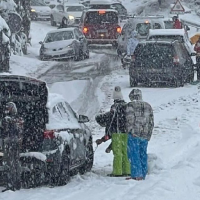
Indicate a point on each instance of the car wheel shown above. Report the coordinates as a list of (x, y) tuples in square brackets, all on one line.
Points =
[(178, 82), (87, 166), (53, 23), (64, 175), (133, 82), (87, 54)]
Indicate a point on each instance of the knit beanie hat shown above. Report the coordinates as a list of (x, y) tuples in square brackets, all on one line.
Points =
[(117, 95)]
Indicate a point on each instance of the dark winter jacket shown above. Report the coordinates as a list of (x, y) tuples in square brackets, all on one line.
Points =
[(139, 119), (117, 117)]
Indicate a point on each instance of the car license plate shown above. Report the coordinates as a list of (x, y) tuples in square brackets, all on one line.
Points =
[(102, 31)]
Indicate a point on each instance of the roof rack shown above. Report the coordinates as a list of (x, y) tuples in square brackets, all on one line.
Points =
[(147, 16)]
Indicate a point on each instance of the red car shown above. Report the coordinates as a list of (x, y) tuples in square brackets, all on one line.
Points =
[(101, 26)]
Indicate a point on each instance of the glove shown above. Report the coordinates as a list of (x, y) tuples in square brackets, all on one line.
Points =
[(99, 141)]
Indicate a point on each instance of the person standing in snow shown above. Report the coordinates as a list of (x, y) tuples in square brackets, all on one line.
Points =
[(121, 165), (139, 124), (197, 49), (177, 24), (11, 135), (131, 46)]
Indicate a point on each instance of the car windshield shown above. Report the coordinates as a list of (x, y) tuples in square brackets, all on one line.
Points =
[(169, 24), (101, 17), (75, 9), (37, 3), (163, 37), (153, 55), (143, 28), (58, 36)]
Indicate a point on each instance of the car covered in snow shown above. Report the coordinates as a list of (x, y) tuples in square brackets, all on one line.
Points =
[(142, 24), (71, 13), (56, 143), (39, 10), (64, 43), (101, 26), (161, 62)]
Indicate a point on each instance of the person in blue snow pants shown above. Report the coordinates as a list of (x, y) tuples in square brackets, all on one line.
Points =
[(139, 125), (137, 154)]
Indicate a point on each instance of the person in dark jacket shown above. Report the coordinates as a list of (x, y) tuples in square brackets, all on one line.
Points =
[(139, 125), (11, 135), (121, 165), (104, 121)]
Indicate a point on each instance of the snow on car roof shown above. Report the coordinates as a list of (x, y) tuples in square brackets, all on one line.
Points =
[(74, 4), (62, 29), (96, 10), (166, 32), (103, 2)]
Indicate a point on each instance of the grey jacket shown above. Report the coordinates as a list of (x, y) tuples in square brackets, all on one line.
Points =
[(139, 119)]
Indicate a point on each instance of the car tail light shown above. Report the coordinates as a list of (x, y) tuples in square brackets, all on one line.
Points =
[(102, 12), (119, 30), (176, 59), (85, 30), (49, 134)]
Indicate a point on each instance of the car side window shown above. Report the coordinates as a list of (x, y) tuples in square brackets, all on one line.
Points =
[(157, 26), (76, 34), (57, 112), (60, 7)]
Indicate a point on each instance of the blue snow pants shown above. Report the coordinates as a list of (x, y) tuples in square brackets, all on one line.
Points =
[(137, 154)]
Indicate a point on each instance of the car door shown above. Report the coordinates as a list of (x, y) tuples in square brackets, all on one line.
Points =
[(79, 135)]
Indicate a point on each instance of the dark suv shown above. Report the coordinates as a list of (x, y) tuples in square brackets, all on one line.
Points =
[(101, 26), (161, 62)]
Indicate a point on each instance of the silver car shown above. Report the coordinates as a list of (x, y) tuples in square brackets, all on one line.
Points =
[(64, 43), (39, 10)]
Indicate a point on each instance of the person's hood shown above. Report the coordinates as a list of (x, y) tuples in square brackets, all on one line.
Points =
[(58, 44)]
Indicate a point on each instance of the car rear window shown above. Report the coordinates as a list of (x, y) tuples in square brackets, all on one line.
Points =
[(156, 54), (143, 28), (98, 17), (75, 9)]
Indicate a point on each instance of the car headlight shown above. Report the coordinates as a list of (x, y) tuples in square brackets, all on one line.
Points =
[(33, 10), (71, 17)]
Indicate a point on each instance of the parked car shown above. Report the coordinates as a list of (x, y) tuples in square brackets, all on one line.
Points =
[(56, 142), (39, 10), (142, 24), (175, 34), (161, 61), (64, 43), (71, 13), (101, 26)]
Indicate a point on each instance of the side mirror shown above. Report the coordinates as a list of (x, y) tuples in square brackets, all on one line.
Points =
[(193, 54), (41, 42), (83, 119)]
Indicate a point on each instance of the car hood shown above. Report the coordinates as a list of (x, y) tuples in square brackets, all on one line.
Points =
[(58, 44), (75, 14), (41, 8)]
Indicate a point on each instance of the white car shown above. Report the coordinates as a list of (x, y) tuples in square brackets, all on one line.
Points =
[(40, 11), (176, 34), (67, 13), (64, 43)]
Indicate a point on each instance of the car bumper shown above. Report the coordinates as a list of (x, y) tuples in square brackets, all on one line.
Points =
[(58, 55), (43, 16), (102, 41)]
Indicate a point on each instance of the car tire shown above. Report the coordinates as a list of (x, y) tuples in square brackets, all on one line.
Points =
[(53, 23), (87, 166), (133, 82)]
